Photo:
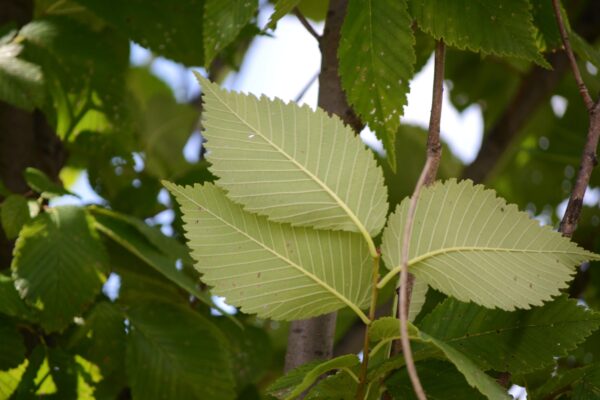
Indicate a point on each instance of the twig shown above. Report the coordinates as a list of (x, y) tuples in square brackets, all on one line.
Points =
[(434, 146), (589, 160), (434, 153), (306, 87), (306, 24), (589, 157), (587, 99)]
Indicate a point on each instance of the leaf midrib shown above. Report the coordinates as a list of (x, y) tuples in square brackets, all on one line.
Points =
[(353, 217), (447, 250), (311, 276)]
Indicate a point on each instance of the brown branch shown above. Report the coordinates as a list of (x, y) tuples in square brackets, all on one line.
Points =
[(312, 339), (589, 158), (585, 95), (306, 24)]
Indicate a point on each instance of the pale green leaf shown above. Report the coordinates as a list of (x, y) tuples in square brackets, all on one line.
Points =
[(417, 298), (377, 57), (41, 183), (14, 213), (223, 21), (517, 342), (298, 380), (175, 353), (474, 376), (21, 82), (471, 245), (58, 265), (282, 7), (386, 328), (292, 164), (271, 269), (12, 347), (503, 28)]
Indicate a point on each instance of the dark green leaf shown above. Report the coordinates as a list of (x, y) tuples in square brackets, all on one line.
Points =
[(509, 20), (10, 301), (126, 235), (441, 380), (58, 265), (14, 214), (517, 342), (12, 348), (41, 183), (174, 353), (172, 29), (545, 22), (84, 69), (298, 380), (101, 339), (282, 7), (377, 56), (223, 21)]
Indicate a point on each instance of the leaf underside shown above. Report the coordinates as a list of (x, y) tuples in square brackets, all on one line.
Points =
[(471, 245), (377, 55), (270, 269), (292, 164)]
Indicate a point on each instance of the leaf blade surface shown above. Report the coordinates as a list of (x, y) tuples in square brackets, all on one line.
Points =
[(471, 245), (271, 269), (292, 164)]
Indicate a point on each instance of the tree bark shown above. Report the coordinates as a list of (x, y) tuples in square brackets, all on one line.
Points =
[(26, 139), (312, 339)]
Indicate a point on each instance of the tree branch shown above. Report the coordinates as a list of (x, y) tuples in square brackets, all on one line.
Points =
[(306, 24), (583, 90), (589, 158), (312, 339)]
